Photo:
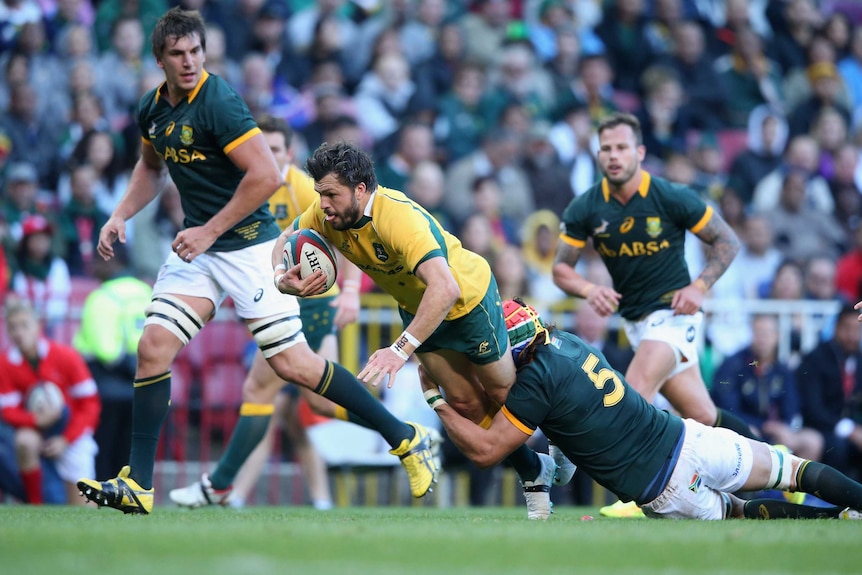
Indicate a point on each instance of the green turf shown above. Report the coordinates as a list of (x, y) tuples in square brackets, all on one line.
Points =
[(411, 541)]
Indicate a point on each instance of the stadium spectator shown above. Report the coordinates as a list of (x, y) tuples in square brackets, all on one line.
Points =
[(22, 197), (750, 76), (845, 188), (798, 83), (802, 231), (539, 241), (112, 322), (443, 65), (300, 26), (61, 432), (830, 386), (574, 140), (761, 389), (592, 87), (705, 95), (825, 85), (33, 138), (42, 277), (109, 11), (411, 145), (499, 156), (80, 221), (803, 157), (663, 118), (510, 272), (850, 68), (463, 116), (549, 176), (425, 187), (623, 30), (767, 135), (486, 29), (517, 79), (848, 272)]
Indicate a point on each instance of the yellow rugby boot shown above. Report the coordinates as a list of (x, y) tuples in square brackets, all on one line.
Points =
[(121, 493), (418, 460)]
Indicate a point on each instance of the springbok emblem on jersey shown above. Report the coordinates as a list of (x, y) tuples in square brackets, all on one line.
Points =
[(653, 226), (187, 136), (601, 229)]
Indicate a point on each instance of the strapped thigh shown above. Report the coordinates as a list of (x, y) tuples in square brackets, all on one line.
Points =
[(175, 315)]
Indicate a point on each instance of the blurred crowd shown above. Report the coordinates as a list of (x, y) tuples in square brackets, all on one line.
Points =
[(482, 111)]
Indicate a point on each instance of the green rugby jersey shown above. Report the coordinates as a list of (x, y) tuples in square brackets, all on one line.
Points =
[(194, 138), (641, 242), (605, 427)]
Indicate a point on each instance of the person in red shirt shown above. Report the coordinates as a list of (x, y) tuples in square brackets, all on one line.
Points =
[(63, 435)]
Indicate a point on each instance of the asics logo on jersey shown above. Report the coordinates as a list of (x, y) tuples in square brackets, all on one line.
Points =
[(258, 295), (627, 224), (689, 334)]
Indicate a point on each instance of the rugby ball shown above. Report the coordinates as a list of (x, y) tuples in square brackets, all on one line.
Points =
[(312, 252), (45, 397)]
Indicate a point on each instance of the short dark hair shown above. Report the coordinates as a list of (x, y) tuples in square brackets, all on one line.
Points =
[(274, 124), (178, 23), (348, 163), (622, 119)]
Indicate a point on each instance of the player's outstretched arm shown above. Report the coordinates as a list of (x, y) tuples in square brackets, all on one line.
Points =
[(605, 300), (441, 293), (146, 181), (484, 447)]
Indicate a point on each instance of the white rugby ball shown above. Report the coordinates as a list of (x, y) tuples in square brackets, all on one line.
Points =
[(312, 252), (46, 396)]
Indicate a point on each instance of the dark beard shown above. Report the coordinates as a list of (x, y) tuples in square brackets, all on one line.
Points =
[(350, 218)]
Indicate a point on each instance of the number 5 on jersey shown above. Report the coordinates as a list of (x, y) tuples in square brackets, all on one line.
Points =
[(600, 379)]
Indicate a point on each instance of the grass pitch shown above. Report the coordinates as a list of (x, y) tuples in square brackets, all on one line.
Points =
[(411, 541)]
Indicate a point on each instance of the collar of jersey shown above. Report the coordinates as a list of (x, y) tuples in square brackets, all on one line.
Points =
[(643, 188), (366, 216), (192, 94)]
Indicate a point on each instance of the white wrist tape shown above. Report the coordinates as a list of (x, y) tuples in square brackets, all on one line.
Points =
[(277, 279), (399, 351), (401, 342), (433, 398), (279, 268)]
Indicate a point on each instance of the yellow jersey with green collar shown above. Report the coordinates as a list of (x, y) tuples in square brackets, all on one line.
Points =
[(194, 139), (290, 200), (393, 237), (641, 242)]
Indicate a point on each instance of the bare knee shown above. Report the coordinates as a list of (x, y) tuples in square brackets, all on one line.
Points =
[(27, 443), (156, 351), (299, 365), (705, 414)]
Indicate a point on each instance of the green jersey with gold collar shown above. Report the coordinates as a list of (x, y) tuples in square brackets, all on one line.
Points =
[(605, 427), (194, 138), (642, 242), (393, 237)]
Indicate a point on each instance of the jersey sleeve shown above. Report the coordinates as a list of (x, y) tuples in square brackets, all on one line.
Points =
[(573, 225), (527, 404), (83, 396), (688, 210), (411, 233), (231, 121)]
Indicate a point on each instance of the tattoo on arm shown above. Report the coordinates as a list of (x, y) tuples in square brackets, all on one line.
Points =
[(723, 248), (567, 254)]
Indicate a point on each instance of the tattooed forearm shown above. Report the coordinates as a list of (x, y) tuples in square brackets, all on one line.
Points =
[(567, 254), (723, 247)]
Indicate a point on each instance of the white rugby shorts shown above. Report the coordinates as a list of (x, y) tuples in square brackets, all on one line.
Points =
[(245, 275), (681, 332), (713, 461)]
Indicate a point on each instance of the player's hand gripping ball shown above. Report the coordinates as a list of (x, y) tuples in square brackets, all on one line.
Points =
[(312, 252)]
